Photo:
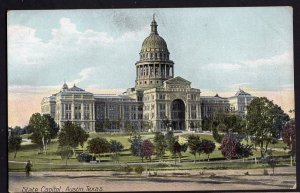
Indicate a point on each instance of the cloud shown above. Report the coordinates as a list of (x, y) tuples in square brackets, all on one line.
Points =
[(68, 50), (22, 46), (84, 75), (281, 59), (285, 58)]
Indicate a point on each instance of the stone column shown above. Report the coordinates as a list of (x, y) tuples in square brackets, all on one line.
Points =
[(159, 71), (168, 70), (72, 111), (62, 111), (165, 73), (94, 114), (91, 111), (82, 111)]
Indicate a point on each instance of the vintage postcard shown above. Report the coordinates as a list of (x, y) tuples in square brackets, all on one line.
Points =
[(174, 99)]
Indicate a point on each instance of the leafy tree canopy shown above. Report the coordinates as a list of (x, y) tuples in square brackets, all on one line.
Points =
[(265, 121), (14, 143), (160, 144), (72, 135), (289, 136), (98, 146), (43, 129)]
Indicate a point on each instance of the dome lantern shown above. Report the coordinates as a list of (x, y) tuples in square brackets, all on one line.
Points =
[(154, 26)]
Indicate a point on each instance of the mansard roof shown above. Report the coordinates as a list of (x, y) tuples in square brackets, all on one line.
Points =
[(73, 90)]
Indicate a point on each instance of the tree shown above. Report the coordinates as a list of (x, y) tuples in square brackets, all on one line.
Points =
[(170, 140), (43, 129), (194, 145), (218, 137), (129, 129), (265, 121), (17, 130), (207, 124), (244, 151), (72, 135), (136, 146), (177, 149), (289, 136), (98, 146), (232, 147), (116, 147), (270, 160), (65, 152), (208, 147), (147, 149), (14, 143), (160, 145), (229, 146), (227, 123)]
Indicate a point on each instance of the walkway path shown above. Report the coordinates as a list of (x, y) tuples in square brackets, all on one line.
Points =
[(165, 181)]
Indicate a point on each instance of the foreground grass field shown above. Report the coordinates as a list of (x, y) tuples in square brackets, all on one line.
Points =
[(30, 152)]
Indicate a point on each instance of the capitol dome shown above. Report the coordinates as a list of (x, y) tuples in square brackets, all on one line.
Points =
[(154, 66), (154, 41), (154, 47)]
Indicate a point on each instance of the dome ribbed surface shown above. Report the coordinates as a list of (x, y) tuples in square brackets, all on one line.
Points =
[(154, 41)]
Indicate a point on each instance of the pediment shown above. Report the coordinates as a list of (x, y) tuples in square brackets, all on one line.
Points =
[(178, 80)]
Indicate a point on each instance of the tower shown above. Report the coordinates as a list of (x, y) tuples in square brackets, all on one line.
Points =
[(154, 65)]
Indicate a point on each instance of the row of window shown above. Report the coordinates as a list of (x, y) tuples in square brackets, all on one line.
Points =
[(77, 106), (77, 116), (155, 55)]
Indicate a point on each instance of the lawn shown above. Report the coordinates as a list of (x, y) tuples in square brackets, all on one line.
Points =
[(31, 152)]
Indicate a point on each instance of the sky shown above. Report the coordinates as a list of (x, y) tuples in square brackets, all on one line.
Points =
[(218, 49)]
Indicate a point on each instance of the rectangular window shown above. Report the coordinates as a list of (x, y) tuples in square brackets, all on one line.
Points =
[(77, 115), (133, 108), (86, 107), (77, 106), (86, 115), (68, 107), (68, 116)]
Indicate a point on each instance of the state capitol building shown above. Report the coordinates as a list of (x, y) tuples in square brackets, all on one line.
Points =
[(157, 98)]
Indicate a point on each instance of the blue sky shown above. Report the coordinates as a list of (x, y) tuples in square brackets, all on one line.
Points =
[(218, 49)]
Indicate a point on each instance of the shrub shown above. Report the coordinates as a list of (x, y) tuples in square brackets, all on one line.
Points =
[(85, 157), (127, 169), (139, 169)]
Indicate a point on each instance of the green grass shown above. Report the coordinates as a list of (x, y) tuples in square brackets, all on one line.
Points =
[(30, 152)]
